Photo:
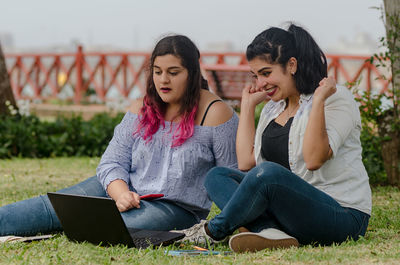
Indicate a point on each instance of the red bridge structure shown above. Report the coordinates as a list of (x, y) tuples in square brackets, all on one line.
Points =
[(104, 76)]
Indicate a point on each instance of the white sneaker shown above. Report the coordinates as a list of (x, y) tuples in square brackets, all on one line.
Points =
[(197, 235), (267, 238), (4, 239), (10, 239)]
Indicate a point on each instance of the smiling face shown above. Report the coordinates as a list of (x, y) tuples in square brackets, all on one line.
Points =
[(170, 78), (274, 78)]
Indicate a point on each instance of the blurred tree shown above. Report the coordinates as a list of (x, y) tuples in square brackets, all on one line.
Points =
[(380, 111), (389, 122), (6, 94), (392, 15)]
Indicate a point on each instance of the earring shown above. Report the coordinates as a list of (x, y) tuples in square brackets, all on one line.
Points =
[(292, 73)]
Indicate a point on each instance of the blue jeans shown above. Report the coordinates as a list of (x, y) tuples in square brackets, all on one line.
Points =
[(36, 215), (271, 196)]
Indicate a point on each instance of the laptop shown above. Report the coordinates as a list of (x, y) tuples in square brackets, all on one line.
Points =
[(98, 221)]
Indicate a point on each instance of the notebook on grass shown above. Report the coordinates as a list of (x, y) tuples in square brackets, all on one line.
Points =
[(97, 220)]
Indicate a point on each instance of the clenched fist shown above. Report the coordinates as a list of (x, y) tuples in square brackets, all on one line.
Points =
[(128, 200)]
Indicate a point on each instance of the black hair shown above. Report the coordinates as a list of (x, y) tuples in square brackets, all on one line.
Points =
[(189, 55), (277, 46)]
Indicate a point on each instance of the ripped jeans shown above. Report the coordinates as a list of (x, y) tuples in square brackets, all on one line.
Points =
[(271, 196)]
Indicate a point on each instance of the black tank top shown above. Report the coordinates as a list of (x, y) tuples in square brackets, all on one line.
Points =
[(205, 113), (274, 143)]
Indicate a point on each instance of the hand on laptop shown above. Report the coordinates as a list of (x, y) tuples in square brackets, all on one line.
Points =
[(128, 200), (123, 197)]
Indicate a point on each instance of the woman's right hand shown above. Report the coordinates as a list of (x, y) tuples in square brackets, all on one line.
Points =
[(123, 197), (253, 96), (127, 200)]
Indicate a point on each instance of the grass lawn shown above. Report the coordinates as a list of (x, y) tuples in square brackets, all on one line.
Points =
[(24, 178)]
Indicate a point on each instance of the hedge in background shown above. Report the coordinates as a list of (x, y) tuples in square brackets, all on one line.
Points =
[(28, 136), (372, 155)]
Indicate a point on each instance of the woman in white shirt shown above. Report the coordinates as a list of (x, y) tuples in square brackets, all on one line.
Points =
[(301, 177)]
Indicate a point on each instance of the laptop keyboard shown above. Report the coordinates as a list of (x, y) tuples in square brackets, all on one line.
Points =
[(145, 242)]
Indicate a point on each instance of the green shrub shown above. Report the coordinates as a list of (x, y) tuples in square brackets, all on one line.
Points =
[(371, 155), (257, 112), (27, 136)]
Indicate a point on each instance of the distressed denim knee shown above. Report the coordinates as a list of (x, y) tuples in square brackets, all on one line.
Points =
[(266, 173)]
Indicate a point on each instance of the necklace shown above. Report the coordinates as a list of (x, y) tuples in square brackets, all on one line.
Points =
[(289, 113)]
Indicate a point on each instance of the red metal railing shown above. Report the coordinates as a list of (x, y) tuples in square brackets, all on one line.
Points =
[(117, 74), (47, 74)]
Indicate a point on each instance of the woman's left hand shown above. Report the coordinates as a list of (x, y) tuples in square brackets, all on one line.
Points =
[(316, 148), (327, 87)]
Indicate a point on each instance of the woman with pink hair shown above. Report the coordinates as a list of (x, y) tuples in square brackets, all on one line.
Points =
[(165, 144)]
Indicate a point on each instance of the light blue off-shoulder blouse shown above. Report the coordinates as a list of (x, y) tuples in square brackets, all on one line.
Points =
[(157, 167)]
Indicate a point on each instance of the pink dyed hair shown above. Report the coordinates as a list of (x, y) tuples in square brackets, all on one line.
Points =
[(151, 118)]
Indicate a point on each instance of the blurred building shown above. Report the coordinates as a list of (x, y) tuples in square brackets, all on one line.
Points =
[(7, 41), (220, 46), (361, 44)]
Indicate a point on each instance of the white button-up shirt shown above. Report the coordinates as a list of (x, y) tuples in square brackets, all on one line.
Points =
[(343, 177)]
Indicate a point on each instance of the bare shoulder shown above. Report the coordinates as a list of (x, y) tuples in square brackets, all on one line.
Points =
[(218, 113), (136, 105)]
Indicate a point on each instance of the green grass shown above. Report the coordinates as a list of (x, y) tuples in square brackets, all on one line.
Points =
[(24, 178)]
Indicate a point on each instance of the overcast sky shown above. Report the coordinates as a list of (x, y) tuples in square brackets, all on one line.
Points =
[(137, 24)]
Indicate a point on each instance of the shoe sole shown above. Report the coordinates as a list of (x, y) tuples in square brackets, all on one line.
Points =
[(243, 229), (250, 242)]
